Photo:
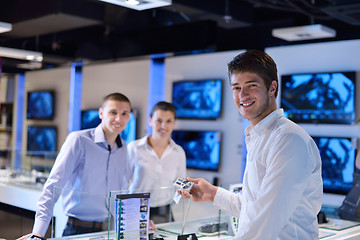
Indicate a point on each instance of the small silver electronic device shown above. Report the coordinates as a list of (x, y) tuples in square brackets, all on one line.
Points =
[(183, 184)]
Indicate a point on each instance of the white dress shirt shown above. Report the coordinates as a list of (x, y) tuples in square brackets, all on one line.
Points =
[(153, 174), (282, 185)]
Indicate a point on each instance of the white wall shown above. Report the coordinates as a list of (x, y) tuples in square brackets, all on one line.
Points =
[(211, 66), (129, 78)]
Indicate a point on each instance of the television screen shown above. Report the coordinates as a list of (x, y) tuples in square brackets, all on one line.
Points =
[(197, 99), (129, 133), (40, 105), (90, 119), (338, 163), (202, 148), (41, 140), (319, 98)]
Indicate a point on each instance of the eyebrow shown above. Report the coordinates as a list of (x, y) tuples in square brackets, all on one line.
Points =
[(247, 82)]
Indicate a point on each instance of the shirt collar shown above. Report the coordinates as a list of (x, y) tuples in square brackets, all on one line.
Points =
[(100, 137), (265, 123), (144, 141)]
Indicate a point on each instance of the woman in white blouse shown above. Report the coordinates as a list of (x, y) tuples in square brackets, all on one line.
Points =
[(158, 162)]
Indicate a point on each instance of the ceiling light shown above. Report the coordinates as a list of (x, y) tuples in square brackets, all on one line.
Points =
[(21, 54), (300, 33), (5, 27), (140, 4), (133, 2)]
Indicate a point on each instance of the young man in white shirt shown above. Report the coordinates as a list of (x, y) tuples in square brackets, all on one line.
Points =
[(282, 184)]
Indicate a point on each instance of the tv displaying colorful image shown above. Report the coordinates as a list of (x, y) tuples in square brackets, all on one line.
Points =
[(197, 99), (338, 163), (319, 98), (90, 119), (41, 140), (202, 148), (40, 105)]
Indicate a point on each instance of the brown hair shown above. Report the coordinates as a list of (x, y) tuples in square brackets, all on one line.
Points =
[(257, 62), (165, 106), (116, 97)]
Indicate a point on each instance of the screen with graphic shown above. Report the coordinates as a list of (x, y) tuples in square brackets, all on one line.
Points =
[(202, 148), (338, 163), (197, 99), (41, 140), (319, 98), (40, 105)]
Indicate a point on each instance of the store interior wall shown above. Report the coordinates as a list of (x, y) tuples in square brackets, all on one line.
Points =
[(51, 79), (339, 56), (131, 78), (230, 124)]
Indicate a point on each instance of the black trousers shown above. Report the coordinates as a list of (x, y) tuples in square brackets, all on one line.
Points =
[(75, 226)]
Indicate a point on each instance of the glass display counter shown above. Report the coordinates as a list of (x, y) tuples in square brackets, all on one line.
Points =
[(203, 219)]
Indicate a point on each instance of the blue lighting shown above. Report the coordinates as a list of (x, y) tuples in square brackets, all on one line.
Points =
[(156, 84), (20, 101), (75, 96)]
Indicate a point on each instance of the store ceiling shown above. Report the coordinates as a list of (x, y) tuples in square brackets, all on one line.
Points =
[(90, 30)]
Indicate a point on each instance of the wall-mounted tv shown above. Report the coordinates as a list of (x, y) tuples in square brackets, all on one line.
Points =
[(202, 148), (338, 163), (41, 105), (198, 99), (90, 119), (319, 98), (41, 140)]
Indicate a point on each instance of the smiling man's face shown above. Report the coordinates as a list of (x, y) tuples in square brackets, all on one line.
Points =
[(251, 96)]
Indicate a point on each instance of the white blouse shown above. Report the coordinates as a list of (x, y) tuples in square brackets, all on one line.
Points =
[(155, 175)]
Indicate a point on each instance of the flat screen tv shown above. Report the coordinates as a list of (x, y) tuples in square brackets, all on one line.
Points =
[(40, 105), (338, 163), (90, 119), (41, 140), (319, 98), (202, 148), (198, 99)]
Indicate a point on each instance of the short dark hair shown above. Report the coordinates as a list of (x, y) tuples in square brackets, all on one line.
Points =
[(257, 62), (116, 97), (164, 106)]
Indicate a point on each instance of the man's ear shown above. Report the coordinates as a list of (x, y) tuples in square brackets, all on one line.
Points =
[(101, 113), (273, 87)]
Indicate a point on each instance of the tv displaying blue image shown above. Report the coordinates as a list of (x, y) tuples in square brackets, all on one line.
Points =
[(197, 99), (319, 98), (338, 163), (90, 119), (202, 148), (40, 105), (129, 132), (41, 140)]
